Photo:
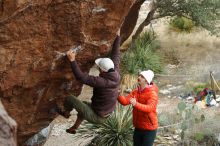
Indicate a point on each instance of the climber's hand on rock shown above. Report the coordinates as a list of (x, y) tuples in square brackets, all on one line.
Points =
[(71, 55)]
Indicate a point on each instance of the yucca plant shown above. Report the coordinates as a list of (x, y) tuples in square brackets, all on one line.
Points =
[(117, 130), (143, 55)]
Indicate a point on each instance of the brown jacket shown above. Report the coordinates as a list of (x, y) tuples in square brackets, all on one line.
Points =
[(105, 86)]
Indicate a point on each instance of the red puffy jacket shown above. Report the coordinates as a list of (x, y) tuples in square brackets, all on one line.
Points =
[(144, 112)]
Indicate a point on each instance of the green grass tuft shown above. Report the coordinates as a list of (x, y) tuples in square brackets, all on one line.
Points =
[(143, 56)]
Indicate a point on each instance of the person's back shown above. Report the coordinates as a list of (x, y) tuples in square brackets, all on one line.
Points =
[(104, 98)]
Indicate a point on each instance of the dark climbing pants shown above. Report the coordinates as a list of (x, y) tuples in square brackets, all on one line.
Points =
[(84, 109), (144, 137)]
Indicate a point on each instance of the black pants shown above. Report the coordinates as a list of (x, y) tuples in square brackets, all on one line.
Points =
[(144, 137)]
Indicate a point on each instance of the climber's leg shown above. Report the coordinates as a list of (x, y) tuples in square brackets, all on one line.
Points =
[(72, 130)]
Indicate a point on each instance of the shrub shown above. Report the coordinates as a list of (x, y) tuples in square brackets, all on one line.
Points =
[(143, 55), (200, 87), (205, 139), (182, 24), (197, 87), (199, 136)]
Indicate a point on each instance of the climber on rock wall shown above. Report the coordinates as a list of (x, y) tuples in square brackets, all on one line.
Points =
[(105, 89)]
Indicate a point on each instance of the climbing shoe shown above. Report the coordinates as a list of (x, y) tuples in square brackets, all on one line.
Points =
[(71, 131)]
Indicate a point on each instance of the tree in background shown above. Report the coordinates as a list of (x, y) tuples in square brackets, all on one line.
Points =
[(204, 13)]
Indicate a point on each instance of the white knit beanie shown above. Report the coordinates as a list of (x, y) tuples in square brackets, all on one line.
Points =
[(148, 75)]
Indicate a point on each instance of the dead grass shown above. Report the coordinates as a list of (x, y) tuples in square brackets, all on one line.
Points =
[(128, 82), (171, 56), (198, 52), (188, 43)]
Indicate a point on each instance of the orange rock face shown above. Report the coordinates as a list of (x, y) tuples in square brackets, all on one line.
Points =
[(32, 79)]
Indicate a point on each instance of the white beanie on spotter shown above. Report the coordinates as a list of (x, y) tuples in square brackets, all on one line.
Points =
[(148, 75), (104, 64)]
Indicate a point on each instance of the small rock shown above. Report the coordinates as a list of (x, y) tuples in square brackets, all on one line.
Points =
[(190, 98), (69, 120), (175, 137), (171, 66), (169, 85), (217, 98), (178, 131), (165, 92)]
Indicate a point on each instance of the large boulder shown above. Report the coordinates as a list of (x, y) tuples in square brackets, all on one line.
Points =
[(8, 129), (32, 78)]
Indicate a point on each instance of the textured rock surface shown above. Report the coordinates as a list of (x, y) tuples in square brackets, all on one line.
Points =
[(31, 78), (8, 129)]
